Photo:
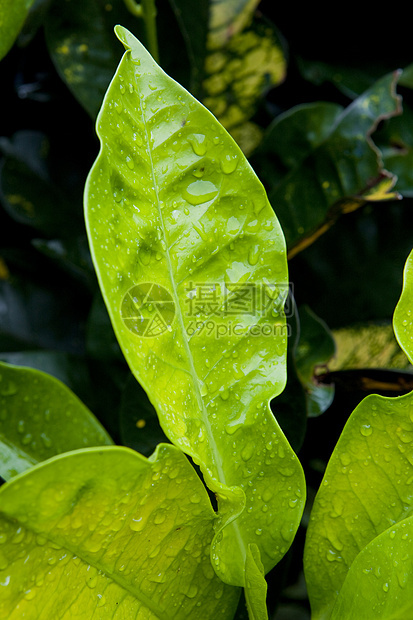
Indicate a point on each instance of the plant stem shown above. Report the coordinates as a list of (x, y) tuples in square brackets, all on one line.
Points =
[(146, 9)]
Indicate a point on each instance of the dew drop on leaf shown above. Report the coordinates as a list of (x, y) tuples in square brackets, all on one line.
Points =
[(199, 143)]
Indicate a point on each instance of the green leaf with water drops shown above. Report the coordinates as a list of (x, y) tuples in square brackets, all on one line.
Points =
[(12, 17), (255, 585), (380, 581), (106, 533), (191, 262), (39, 418), (367, 488), (403, 314)]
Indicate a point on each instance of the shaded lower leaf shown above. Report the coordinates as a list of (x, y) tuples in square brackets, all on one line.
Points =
[(27, 191), (39, 418), (106, 533), (342, 172), (380, 581), (79, 37)]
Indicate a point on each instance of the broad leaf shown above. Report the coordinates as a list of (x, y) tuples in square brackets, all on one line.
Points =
[(366, 489), (106, 533), (380, 581), (191, 261), (39, 418), (12, 16), (324, 183)]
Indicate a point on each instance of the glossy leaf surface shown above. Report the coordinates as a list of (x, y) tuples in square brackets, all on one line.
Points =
[(12, 16), (380, 580), (39, 418), (366, 491), (106, 533), (171, 201)]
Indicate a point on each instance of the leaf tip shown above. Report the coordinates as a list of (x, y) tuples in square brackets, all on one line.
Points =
[(124, 36)]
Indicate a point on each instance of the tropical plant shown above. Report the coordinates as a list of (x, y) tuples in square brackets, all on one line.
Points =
[(182, 344)]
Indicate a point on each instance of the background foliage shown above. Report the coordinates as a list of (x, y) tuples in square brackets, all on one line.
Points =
[(318, 111)]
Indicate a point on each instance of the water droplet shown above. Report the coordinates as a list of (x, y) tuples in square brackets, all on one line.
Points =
[(8, 388), (366, 430), (247, 452), (253, 255), (229, 163), (199, 192), (385, 587), (199, 143), (159, 518), (224, 394), (137, 524), (130, 163)]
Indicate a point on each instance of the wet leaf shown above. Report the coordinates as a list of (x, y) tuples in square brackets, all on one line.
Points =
[(380, 580), (104, 532), (186, 246), (255, 585), (39, 418)]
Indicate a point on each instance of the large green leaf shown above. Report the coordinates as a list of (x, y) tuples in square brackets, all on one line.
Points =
[(12, 16), (39, 418), (105, 533), (328, 171), (366, 491), (191, 261), (380, 580)]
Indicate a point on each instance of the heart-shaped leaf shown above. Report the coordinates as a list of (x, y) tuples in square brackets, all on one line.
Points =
[(106, 533), (363, 501), (191, 261), (39, 418)]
